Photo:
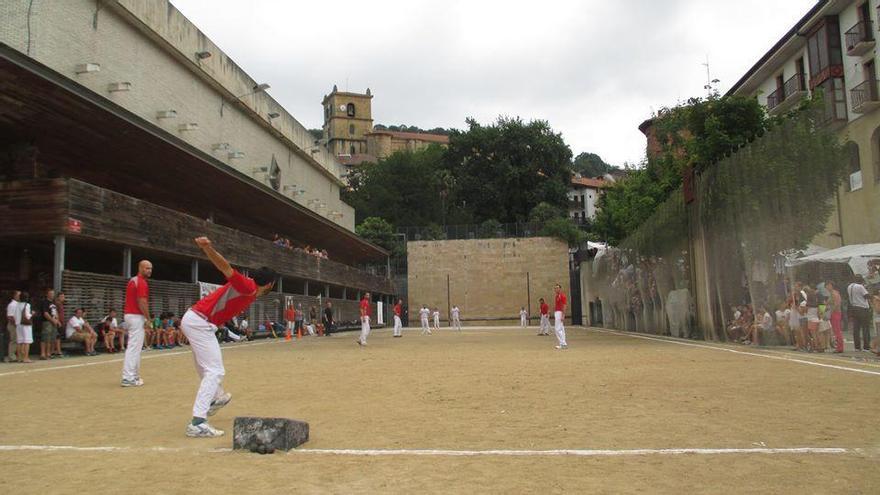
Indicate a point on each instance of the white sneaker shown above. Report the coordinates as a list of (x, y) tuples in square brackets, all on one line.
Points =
[(203, 430), (562, 347), (137, 382), (219, 403)]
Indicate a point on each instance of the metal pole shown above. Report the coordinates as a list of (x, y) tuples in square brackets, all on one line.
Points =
[(58, 268), (448, 307), (529, 295)]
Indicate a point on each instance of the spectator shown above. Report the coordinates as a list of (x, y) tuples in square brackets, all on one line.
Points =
[(783, 320), (24, 330), (835, 315), (181, 337), (298, 319), (79, 330), (875, 304), (313, 315), (763, 327), (60, 299), (290, 318), (47, 318), (110, 331), (327, 319), (12, 327), (859, 313), (244, 328)]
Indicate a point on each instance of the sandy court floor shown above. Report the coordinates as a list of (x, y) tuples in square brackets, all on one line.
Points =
[(618, 404)]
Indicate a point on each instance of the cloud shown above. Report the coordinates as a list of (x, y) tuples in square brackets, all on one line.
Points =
[(593, 69)]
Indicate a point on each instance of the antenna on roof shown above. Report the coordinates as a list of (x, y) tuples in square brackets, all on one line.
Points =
[(710, 83)]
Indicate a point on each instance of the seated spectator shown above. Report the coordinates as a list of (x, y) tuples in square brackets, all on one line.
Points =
[(171, 335), (782, 324), (244, 328), (110, 331), (736, 329), (181, 337), (762, 329), (79, 330)]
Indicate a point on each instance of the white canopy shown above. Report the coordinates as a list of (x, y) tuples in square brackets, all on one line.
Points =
[(856, 256)]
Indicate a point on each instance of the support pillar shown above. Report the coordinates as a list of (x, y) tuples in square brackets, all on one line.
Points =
[(306, 288), (326, 290), (280, 285), (388, 267), (344, 293), (194, 271), (58, 266), (126, 262)]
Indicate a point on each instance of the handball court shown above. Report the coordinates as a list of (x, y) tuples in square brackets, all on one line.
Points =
[(490, 410)]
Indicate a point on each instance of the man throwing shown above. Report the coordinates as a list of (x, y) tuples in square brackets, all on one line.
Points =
[(136, 315), (365, 320), (199, 324), (559, 317)]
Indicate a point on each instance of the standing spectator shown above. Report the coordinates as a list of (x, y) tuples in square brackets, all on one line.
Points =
[(365, 319), (313, 315), (298, 319), (11, 327), (545, 318), (835, 315), (136, 316), (79, 330), (327, 319), (875, 304), (60, 299), (397, 324), (290, 318), (24, 330), (559, 317), (47, 316), (859, 314)]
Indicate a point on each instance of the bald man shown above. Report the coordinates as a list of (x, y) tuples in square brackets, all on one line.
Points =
[(137, 315)]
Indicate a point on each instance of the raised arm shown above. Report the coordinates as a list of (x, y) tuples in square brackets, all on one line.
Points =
[(216, 258)]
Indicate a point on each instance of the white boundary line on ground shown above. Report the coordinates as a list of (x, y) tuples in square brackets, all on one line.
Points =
[(463, 453), (724, 349), (119, 360)]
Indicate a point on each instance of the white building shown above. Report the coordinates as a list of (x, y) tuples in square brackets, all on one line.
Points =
[(833, 49), (583, 196)]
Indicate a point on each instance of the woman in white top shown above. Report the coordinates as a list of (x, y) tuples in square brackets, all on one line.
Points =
[(24, 329)]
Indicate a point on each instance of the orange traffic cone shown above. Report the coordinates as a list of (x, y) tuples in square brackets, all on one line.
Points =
[(287, 334)]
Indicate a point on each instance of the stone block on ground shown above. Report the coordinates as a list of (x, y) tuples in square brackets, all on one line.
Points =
[(277, 433)]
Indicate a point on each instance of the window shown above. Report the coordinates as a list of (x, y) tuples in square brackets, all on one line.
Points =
[(834, 98), (351, 129), (349, 109), (823, 47), (855, 167), (352, 150)]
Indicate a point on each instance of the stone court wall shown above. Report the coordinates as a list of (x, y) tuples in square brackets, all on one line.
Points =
[(489, 279)]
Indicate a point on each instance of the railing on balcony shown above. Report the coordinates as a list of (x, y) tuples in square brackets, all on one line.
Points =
[(794, 85), (860, 34), (865, 96)]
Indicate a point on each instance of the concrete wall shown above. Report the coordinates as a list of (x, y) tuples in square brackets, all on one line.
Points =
[(152, 46), (487, 277)]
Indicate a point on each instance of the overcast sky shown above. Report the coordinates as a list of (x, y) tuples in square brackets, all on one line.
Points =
[(593, 69)]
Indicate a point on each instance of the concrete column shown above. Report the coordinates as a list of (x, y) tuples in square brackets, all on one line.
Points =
[(344, 293), (126, 262), (58, 267), (388, 267), (194, 271), (326, 290), (306, 288), (280, 285)]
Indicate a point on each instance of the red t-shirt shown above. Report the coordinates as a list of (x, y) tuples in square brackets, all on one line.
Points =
[(560, 302), (290, 314), (226, 302), (397, 309), (545, 309), (137, 287), (365, 307)]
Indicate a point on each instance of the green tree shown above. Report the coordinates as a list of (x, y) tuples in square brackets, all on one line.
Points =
[(501, 171), (592, 165), (694, 136), (381, 233), (544, 212)]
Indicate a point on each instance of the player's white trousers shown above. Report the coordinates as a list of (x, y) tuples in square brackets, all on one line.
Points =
[(559, 323), (437, 323), (522, 321), (365, 329), (456, 323), (425, 327), (398, 326), (131, 366), (545, 324), (207, 358)]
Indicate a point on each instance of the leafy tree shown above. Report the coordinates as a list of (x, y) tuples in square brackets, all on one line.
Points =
[(380, 232), (317, 133), (544, 212), (501, 171), (592, 165), (564, 229)]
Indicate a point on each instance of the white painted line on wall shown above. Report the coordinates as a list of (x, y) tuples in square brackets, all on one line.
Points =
[(734, 351), (150, 355)]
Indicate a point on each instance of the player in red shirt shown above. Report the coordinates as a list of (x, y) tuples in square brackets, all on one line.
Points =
[(365, 320), (398, 326), (545, 318), (136, 316), (559, 317), (199, 325)]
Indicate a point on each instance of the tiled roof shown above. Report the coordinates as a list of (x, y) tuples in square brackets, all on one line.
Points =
[(591, 183), (356, 159), (415, 136)]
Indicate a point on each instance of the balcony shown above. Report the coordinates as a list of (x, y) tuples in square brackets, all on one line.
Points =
[(860, 39), (865, 97), (788, 96)]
